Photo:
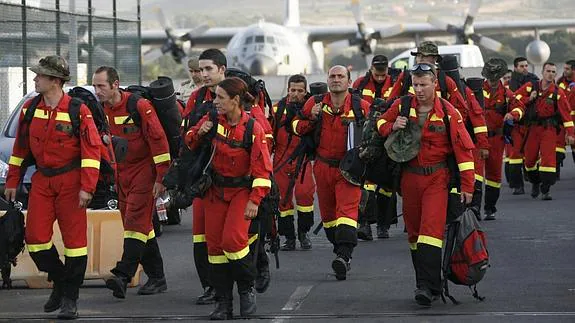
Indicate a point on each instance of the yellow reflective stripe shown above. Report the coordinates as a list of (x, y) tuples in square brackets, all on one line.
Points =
[(430, 241), (275, 109), (222, 130), (492, 184), (434, 117), (380, 122), (369, 187), (40, 247), (199, 238), (562, 86), (63, 116), (136, 235), (238, 254), (183, 122), (518, 97), (261, 182), (506, 159), (304, 208), (387, 93), (529, 89), (568, 124), (547, 169), (413, 246), (327, 109), (294, 126), (151, 235), (411, 90), (478, 178), (342, 220), (560, 149), (368, 92), (454, 191), (121, 120), (77, 252), (383, 192), (16, 161), (285, 213), (531, 169), (40, 114), (573, 113), (465, 166), (480, 129), (438, 93), (515, 161), (412, 113), (217, 259), (268, 135), (252, 239), (486, 94), (518, 111), (91, 163), (162, 158)]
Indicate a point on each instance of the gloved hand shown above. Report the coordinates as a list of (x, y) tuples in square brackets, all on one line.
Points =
[(507, 128)]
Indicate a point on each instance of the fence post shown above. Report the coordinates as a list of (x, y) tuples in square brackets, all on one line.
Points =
[(90, 41), (115, 24), (24, 51), (140, 41), (58, 22)]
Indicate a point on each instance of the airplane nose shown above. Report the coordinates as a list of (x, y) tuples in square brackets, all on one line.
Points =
[(262, 65)]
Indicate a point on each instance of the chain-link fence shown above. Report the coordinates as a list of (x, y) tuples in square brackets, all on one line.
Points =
[(87, 33)]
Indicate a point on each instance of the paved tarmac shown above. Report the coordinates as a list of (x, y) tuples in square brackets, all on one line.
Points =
[(531, 279)]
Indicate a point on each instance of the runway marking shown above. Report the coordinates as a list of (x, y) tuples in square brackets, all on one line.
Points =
[(296, 299)]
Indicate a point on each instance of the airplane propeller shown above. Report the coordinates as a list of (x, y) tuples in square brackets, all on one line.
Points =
[(367, 38), (465, 33), (173, 43)]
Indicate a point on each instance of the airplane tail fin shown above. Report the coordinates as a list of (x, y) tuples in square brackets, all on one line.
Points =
[(291, 18)]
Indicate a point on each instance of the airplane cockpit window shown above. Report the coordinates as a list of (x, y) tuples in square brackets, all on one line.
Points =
[(249, 40), (270, 40), (259, 39)]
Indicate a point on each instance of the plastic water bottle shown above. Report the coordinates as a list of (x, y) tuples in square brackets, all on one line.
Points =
[(161, 208)]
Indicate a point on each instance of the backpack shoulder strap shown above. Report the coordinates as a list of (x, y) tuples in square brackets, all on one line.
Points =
[(74, 113), (278, 115), (555, 99), (356, 107), (405, 106), (364, 82), (201, 96), (441, 78), (29, 114), (247, 140), (446, 120), (318, 98), (406, 82), (132, 108)]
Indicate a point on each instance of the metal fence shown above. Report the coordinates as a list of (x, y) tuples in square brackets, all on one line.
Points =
[(86, 36)]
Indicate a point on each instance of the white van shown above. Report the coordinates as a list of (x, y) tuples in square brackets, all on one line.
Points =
[(468, 56)]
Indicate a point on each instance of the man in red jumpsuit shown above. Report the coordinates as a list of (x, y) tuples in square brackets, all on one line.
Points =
[(375, 84), (138, 182), (550, 110), (212, 63), (425, 179), (338, 199), (500, 105), (285, 143), (563, 82), (68, 169)]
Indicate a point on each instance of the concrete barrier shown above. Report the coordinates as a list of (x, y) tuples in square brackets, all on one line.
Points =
[(105, 246)]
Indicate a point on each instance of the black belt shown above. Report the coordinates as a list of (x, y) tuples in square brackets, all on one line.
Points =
[(426, 170), (496, 132), (545, 122), (225, 181), (51, 172), (330, 162)]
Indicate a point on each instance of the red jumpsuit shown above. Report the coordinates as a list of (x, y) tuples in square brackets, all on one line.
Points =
[(285, 144), (226, 228), (146, 163), (338, 199), (542, 134), (56, 197), (425, 196), (563, 84), (497, 104), (369, 92)]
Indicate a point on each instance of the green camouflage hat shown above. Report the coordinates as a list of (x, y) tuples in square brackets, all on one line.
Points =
[(193, 63), (494, 69), (403, 144), (427, 48), (53, 65)]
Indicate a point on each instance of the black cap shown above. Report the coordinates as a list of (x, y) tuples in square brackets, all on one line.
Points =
[(379, 61), (318, 88)]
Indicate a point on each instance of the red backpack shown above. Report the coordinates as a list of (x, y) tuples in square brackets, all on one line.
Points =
[(466, 258)]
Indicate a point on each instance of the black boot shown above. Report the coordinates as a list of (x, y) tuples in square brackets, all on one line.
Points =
[(248, 304), (383, 231), (364, 231), (208, 297), (546, 195), (224, 308), (262, 281), (119, 285), (153, 286), (69, 309), (428, 270), (289, 245), (535, 190), (305, 242), (55, 300), (203, 270)]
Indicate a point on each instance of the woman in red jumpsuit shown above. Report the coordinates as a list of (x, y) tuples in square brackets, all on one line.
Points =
[(241, 178)]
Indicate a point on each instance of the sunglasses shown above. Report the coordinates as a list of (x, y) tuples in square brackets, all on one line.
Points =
[(422, 67)]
